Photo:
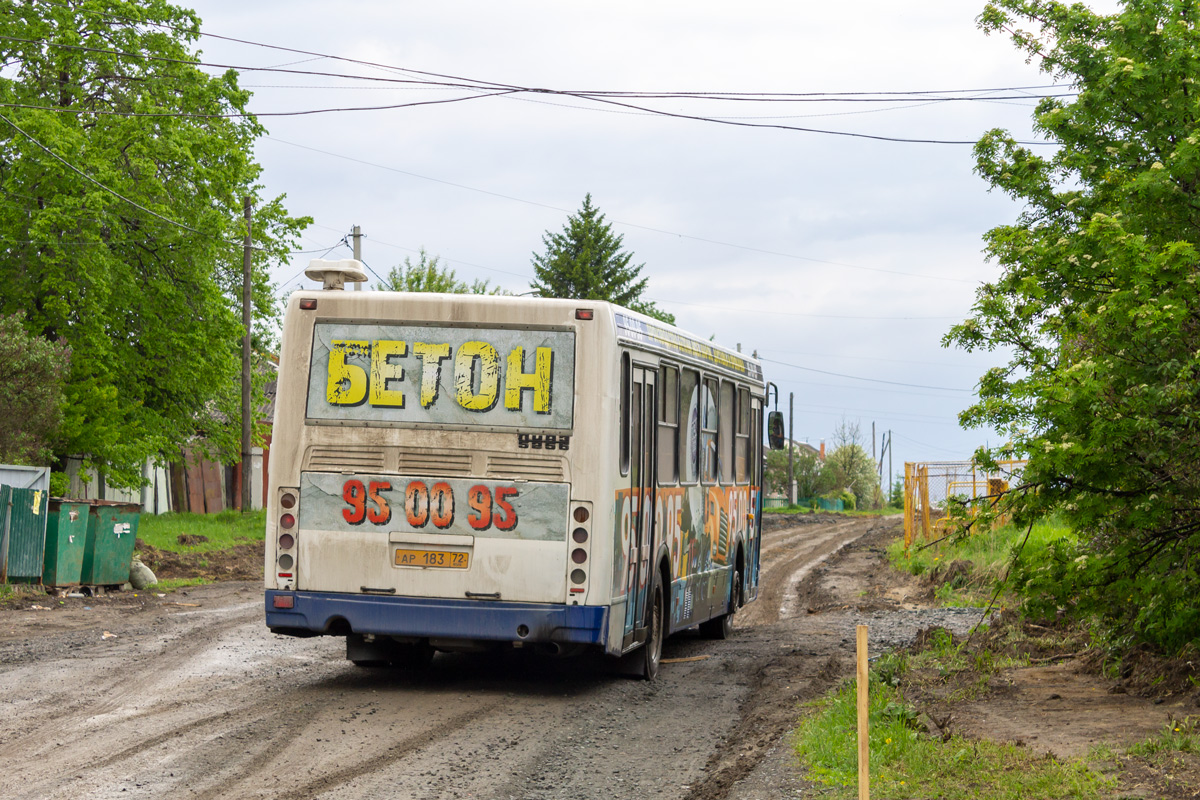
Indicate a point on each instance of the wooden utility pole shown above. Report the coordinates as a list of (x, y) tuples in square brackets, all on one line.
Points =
[(356, 235), (247, 258)]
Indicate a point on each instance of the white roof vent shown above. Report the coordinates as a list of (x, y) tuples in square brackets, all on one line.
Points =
[(335, 274)]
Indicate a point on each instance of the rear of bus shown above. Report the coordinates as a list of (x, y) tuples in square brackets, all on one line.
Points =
[(427, 486)]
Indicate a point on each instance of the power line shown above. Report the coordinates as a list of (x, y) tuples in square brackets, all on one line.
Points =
[(493, 88), (860, 378), (889, 414), (675, 234), (796, 314), (939, 364), (316, 56), (342, 243), (113, 192), (925, 444)]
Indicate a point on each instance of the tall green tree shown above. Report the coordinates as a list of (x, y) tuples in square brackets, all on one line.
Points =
[(122, 171), (849, 466), (1098, 313), (428, 275), (32, 373), (806, 472), (585, 261)]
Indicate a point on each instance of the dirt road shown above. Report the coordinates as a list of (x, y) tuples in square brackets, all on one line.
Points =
[(191, 697)]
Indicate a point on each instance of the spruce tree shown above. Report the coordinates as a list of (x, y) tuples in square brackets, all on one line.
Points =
[(585, 261)]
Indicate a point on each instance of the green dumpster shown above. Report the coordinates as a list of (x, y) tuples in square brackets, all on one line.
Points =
[(66, 542), (22, 534), (111, 533)]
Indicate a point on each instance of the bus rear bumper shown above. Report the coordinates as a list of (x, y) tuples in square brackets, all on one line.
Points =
[(329, 613)]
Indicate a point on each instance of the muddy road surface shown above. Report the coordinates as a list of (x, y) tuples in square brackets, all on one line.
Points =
[(191, 697)]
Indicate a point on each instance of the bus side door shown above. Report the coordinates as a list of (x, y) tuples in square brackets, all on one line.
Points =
[(643, 407)]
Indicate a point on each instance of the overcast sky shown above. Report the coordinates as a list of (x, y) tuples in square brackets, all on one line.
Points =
[(825, 254)]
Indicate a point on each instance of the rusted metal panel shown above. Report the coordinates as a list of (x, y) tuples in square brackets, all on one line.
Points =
[(214, 496), (194, 475)]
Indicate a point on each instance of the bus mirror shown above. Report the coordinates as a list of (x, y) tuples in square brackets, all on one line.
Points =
[(775, 430)]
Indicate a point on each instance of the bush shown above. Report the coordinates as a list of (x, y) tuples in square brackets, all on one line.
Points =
[(60, 484), (32, 373)]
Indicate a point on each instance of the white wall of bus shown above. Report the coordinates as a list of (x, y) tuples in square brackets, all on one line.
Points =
[(585, 469)]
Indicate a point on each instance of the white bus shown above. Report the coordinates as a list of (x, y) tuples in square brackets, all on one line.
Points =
[(455, 471)]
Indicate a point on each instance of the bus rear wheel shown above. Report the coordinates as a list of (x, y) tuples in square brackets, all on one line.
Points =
[(652, 650)]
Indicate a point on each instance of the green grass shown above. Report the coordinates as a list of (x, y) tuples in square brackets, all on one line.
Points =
[(989, 551), (1177, 736), (223, 530), (171, 584), (905, 762)]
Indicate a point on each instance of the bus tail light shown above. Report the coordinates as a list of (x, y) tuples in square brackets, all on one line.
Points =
[(283, 601), (285, 550), (580, 535)]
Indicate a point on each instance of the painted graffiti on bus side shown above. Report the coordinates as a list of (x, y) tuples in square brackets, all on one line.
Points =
[(700, 525)]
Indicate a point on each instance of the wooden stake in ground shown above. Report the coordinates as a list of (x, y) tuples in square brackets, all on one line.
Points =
[(864, 775)]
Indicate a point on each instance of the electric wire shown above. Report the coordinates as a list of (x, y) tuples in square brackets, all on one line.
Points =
[(476, 82), (635, 225), (926, 444), (492, 89), (733, 309), (342, 243), (111, 191), (860, 378)]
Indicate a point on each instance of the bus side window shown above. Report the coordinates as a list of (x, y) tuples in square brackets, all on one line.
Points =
[(741, 446), (668, 426), (625, 431), (708, 431), (725, 437), (689, 440)]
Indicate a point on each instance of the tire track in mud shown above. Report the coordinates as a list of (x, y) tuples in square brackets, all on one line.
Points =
[(143, 664), (397, 752), (780, 577)]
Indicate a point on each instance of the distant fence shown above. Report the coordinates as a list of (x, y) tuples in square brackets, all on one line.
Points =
[(805, 502), (928, 485)]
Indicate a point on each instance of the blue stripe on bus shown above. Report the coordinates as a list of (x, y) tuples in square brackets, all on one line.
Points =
[(440, 618)]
